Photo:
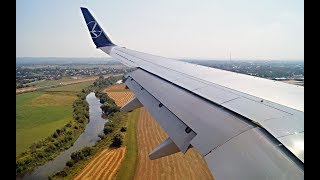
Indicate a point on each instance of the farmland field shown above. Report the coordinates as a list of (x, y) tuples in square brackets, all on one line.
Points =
[(120, 98), (149, 135), (177, 166), (39, 114), (65, 81), (72, 87), (117, 87), (104, 165)]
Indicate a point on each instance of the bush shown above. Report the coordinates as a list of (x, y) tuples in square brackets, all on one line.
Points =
[(57, 144), (50, 139), (116, 140), (109, 107), (55, 134), (58, 131), (123, 129), (70, 163), (101, 136), (109, 124), (77, 156), (69, 138), (39, 144), (107, 130), (50, 148), (86, 151), (61, 173), (68, 125), (40, 154)]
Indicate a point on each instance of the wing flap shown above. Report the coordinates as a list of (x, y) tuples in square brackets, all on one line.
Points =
[(170, 123)]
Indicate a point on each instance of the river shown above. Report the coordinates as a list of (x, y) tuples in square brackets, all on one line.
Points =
[(88, 138)]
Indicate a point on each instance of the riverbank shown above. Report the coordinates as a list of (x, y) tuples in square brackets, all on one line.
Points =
[(120, 123), (118, 120), (88, 138), (61, 139)]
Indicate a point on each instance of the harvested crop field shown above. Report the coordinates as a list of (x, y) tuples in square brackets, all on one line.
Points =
[(177, 166), (115, 87), (104, 165), (121, 98)]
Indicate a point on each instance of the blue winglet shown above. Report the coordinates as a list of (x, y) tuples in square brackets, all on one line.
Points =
[(98, 36)]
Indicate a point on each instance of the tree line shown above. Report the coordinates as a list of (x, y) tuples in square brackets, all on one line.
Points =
[(44, 150)]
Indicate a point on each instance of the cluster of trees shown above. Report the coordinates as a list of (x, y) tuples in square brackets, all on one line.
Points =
[(108, 106), (79, 155), (102, 82), (117, 138), (81, 108)]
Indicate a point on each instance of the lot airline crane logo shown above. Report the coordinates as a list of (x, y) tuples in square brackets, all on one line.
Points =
[(94, 29)]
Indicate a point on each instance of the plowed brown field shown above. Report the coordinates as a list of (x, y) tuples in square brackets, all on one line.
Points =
[(121, 98), (177, 166), (104, 165)]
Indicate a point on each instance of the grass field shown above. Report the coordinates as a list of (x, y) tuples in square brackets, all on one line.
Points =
[(39, 114), (72, 87), (64, 80), (128, 166)]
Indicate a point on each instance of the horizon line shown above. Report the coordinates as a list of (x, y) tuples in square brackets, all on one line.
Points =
[(183, 58)]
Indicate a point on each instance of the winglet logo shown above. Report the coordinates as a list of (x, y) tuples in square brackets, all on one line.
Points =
[(94, 29)]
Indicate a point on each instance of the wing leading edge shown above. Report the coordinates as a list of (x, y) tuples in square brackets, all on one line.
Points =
[(231, 119)]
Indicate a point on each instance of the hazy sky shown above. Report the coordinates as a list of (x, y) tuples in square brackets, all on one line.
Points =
[(210, 29)]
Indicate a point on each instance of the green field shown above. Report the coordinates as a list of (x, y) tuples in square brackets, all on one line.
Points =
[(39, 114), (72, 87), (128, 166)]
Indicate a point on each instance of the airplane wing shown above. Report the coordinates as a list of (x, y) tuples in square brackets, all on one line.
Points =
[(245, 127)]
